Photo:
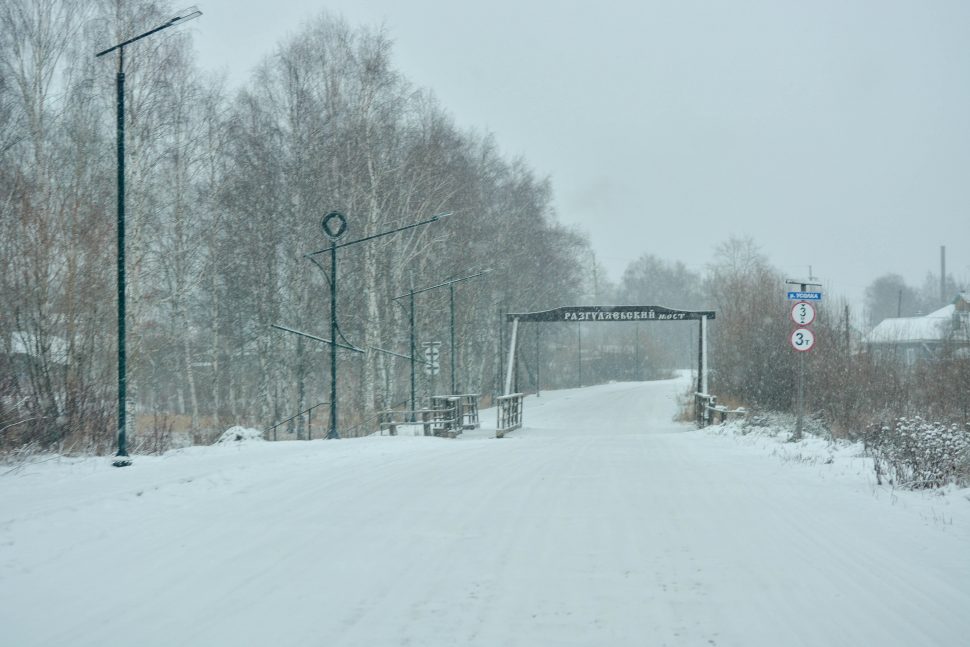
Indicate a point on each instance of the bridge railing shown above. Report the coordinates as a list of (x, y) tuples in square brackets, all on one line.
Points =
[(466, 404), (707, 411), (509, 409), (441, 420), (469, 410)]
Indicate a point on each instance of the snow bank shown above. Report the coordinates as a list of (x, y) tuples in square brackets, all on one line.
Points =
[(910, 454), (239, 434)]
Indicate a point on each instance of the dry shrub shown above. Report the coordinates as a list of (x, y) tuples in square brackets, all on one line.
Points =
[(916, 453)]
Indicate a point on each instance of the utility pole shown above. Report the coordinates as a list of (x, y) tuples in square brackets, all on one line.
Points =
[(943, 296)]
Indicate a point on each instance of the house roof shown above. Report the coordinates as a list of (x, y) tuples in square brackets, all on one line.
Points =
[(25, 343), (931, 327)]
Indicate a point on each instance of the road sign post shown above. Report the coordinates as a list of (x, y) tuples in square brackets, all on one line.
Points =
[(802, 339), (431, 357), (432, 364)]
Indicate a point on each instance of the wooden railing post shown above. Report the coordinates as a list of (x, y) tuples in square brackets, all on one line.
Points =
[(509, 413), (470, 420)]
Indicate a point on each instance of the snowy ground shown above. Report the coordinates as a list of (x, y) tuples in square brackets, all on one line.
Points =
[(600, 523)]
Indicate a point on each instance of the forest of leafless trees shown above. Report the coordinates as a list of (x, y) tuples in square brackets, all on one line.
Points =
[(225, 192)]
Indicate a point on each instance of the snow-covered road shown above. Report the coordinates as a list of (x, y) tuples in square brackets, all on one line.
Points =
[(601, 523)]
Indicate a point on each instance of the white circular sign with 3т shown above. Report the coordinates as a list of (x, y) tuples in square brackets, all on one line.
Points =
[(803, 313), (802, 339)]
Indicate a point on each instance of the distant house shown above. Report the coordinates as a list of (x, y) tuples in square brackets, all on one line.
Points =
[(22, 350), (925, 337)]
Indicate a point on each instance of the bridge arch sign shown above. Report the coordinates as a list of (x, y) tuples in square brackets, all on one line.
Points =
[(628, 313), (611, 313)]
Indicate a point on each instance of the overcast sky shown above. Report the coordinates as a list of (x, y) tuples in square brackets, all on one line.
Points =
[(836, 134)]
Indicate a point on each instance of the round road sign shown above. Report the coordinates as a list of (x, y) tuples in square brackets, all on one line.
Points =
[(802, 339), (803, 313)]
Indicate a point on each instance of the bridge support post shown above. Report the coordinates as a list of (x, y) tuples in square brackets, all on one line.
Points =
[(703, 376), (510, 367)]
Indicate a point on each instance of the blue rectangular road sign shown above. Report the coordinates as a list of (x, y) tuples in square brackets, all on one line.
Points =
[(804, 296)]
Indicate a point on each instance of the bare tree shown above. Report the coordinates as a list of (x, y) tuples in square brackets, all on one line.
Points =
[(749, 353)]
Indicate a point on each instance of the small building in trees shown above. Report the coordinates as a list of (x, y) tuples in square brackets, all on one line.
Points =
[(22, 354), (937, 335)]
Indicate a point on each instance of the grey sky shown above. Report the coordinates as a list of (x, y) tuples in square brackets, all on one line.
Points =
[(836, 134)]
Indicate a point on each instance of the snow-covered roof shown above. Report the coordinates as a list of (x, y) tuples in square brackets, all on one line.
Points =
[(931, 327), (25, 343)]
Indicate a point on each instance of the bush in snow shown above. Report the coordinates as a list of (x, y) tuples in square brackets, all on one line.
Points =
[(916, 453), (775, 422), (239, 434)]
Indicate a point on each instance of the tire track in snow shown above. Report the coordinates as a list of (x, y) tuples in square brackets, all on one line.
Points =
[(600, 522)]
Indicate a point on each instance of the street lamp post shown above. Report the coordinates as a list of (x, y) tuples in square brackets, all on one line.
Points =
[(451, 305), (333, 232), (410, 294), (121, 458), (413, 350)]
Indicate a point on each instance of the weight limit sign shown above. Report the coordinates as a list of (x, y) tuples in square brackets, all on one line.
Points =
[(802, 339), (803, 313)]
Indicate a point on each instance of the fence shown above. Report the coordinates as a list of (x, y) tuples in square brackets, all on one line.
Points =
[(509, 413), (466, 407), (443, 419), (448, 416), (706, 410), (469, 410), (309, 423)]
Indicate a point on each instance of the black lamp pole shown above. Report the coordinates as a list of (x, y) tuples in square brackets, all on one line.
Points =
[(451, 305), (410, 294), (413, 349), (122, 454), (334, 226), (187, 14), (332, 432)]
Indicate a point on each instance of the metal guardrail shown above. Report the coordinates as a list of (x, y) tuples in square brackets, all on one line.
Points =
[(509, 409)]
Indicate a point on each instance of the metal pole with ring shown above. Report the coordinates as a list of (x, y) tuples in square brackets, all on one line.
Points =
[(334, 226)]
